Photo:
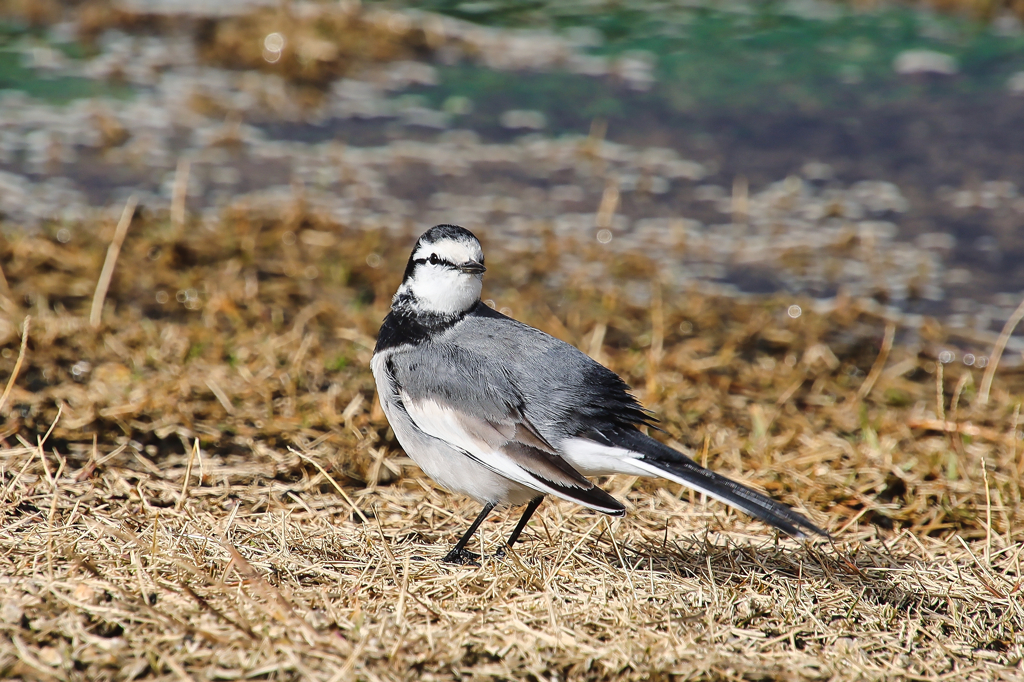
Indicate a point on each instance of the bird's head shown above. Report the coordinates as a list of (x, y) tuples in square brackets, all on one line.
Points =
[(445, 272)]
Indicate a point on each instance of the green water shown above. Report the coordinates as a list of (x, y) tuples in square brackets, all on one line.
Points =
[(56, 89), (740, 56), (762, 55)]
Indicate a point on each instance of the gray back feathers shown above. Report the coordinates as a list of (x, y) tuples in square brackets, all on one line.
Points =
[(492, 366)]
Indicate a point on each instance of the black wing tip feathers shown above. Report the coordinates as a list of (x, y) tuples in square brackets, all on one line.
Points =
[(594, 497), (601, 501)]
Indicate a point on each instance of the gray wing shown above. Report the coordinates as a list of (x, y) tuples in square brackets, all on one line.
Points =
[(510, 448), (493, 367), (502, 392)]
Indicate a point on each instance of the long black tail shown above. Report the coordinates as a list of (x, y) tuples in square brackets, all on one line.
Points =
[(665, 462)]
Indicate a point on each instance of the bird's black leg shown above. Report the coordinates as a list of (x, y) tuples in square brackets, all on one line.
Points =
[(524, 519), (459, 553)]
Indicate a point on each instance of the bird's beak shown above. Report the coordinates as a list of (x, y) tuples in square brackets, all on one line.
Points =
[(472, 267)]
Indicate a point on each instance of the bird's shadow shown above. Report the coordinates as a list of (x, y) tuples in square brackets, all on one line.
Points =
[(864, 570)]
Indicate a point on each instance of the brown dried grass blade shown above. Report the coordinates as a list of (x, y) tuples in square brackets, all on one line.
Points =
[(876, 369), (180, 192), (341, 491), (188, 475), (17, 364), (107, 273), (997, 353)]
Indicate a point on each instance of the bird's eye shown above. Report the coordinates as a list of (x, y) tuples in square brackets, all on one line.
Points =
[(434, 260)]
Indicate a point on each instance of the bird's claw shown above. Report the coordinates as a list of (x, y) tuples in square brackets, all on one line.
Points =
[(462, 557)]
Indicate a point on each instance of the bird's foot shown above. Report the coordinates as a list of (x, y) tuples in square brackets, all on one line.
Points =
[(462, 557)]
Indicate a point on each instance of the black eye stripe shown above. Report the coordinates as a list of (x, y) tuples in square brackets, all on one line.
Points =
[(435, 260)]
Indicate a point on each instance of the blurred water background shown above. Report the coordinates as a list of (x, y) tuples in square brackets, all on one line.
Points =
[(819, 150)]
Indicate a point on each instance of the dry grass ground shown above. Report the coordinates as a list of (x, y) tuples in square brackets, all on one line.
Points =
[(203, 487)]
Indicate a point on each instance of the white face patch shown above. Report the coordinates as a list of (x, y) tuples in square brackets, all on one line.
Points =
[(451, 250), (441, 288)]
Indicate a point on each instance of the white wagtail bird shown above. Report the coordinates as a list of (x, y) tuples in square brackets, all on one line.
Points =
[(506, 414)]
